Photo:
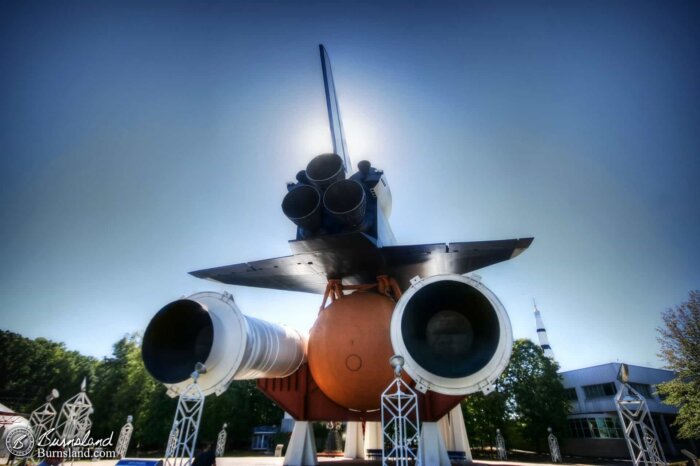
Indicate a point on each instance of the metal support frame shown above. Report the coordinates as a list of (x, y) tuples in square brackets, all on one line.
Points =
[(334, 442), (74, 419), (501, 452), (221, 441), (454, 434), (172, 442), (638, 425), (354, 441), (301, 450), (431, 446), (124, 438), (373, 436), (553, 446), (183, 435), (42, 418), (400, 420), (85, 424)]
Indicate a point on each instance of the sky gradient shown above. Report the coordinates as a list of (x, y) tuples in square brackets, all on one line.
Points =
[(142, 140)]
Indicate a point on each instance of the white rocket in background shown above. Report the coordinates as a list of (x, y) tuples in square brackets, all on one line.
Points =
[(542, 333)]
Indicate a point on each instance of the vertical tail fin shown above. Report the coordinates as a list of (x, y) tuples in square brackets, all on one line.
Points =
[(334, 120)]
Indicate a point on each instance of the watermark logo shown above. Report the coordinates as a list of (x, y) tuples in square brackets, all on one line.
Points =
[(51, 439), (19, 441)]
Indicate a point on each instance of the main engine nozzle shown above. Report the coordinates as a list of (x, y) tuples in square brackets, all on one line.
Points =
[(453, 333), (345, 200), (209, 328), (302, 205), (324, 170)]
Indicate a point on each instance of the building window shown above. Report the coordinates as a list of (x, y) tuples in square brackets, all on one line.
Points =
[(600, 390), (595, 427), (570, 394), (579, 428), (609, 427), (643, 389)]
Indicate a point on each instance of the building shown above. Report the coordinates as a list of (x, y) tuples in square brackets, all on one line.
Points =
[(263, 438), (594, 426)]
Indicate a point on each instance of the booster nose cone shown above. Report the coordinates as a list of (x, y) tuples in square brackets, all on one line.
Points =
[(302, 205), (345, 200), (324, 170)]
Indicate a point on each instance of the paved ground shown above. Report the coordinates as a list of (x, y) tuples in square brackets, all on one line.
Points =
[(271, 461)]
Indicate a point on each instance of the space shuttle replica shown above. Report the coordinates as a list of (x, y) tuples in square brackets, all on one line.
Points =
[(377, 299)]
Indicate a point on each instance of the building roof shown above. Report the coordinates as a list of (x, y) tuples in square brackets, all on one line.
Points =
[(604, 372), (596, 387)]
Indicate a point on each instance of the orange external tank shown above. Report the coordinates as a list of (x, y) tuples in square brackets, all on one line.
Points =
[(349, 349)]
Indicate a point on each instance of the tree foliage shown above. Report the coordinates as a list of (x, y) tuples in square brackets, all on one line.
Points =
[(483, 414), (529, 397), (537, 398), (29, 369), (119, 386), (680, 348)]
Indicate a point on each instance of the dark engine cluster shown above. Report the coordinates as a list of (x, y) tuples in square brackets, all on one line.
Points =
[(323, 201)]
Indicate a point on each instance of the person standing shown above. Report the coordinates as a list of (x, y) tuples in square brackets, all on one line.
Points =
[(207, 457)]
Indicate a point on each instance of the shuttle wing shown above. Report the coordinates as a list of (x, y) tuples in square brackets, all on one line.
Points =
[(356, 259)]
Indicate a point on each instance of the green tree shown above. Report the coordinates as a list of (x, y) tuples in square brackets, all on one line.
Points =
[(118, 386), (243, 407), (29, 369), (535, 395), (483, 414), (528, 398), (123, 387), (680, 348)]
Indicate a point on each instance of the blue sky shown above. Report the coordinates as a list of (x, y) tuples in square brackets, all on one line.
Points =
[(142, 140)]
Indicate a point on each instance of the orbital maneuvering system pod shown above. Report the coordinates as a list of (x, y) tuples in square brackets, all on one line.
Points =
[(379, 299)]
